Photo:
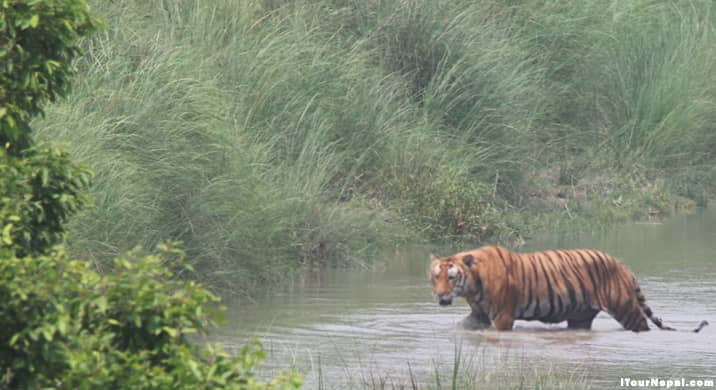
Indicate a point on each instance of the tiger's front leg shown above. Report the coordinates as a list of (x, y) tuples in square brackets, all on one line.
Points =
[(476, 320)]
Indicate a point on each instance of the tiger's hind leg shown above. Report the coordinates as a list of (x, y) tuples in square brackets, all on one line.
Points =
[(582, 320), (631, 317)]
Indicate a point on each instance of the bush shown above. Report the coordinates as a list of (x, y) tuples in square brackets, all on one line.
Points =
[(39, 187), (37, 195), (65, 326), (38, 46)]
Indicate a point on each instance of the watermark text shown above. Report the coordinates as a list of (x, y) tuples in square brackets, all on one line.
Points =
[(670, 383)]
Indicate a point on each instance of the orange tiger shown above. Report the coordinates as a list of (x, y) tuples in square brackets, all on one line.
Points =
[(550, 286)]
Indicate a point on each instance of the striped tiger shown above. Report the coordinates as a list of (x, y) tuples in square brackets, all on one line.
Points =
[(550, 286)]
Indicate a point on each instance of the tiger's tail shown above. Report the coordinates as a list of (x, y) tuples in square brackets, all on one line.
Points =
[(656, 320)]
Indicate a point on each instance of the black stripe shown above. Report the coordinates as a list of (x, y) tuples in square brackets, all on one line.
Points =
[(578, 276), (523, 287), (538, 310), (499, 253), (657, 321), (529, 288), (622, 311), (601, 269), (480, 291), (557, 317), (535, 271), (557, 271), (570, 287), (603, 262), (637, 317), (627, 320), (550, 292), (648, 312), (588, 267)]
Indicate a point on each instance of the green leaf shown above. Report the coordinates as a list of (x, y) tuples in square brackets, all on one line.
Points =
[(6, 234), (62, 324), (45, 177), (48, 332), (170, 331), (101, 304)]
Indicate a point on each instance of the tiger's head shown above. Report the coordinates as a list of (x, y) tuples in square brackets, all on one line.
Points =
[(450, 277)]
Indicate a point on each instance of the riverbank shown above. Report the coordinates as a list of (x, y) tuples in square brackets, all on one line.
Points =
[(267, 135)]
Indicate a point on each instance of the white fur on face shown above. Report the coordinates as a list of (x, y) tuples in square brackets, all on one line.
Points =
[(452, 271), (436, 270)]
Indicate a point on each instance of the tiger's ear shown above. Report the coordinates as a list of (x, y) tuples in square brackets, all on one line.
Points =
[(469, 260), (433, 258)]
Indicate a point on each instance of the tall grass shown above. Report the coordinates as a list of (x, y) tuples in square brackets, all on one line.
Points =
[(239, 147), (634, 81), (656, 87), (270, 134)]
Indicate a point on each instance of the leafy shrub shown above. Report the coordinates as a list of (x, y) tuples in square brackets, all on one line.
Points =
[(38, 44), (39, 187), (65, 326), (37, 194)]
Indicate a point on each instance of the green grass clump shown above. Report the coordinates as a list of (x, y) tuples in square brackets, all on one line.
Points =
[(239, 147), (634, 80)]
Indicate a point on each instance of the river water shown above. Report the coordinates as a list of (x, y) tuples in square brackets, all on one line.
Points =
[(361, 328)]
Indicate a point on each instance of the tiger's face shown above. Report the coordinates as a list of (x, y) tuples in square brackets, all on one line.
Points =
[(448, 277)]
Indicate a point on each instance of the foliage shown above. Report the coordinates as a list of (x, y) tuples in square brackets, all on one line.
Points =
[(437, 196), (65, 326), (38, 44), (37, 195), (39, 186)]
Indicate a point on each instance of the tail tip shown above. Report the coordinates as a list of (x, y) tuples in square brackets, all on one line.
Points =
[(701, 325)]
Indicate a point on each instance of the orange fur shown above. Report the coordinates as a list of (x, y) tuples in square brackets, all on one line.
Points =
[(550, 286)]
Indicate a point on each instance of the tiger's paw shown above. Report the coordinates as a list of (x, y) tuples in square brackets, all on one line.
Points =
[(472, 323)]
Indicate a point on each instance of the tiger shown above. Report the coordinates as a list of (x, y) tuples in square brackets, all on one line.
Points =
[(550, 286)]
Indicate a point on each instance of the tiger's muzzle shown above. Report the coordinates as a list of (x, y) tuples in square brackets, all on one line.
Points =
[(445, 299)]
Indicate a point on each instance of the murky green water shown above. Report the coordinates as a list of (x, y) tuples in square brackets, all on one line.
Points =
[(353, 326)]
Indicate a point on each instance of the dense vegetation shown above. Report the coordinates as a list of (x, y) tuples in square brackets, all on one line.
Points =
[(63, 324), (268, 134)]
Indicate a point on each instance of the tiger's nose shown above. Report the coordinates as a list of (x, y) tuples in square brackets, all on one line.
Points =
[(445, 299)]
